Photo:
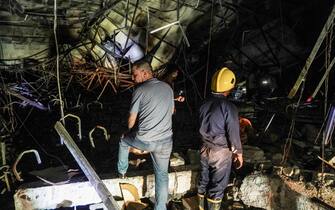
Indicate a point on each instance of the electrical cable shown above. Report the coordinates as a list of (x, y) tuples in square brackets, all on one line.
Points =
[(323, 123), (328, 48), (209, 48), (57, 63), (288, 141)]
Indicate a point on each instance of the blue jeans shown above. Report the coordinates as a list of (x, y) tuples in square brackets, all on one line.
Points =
[(160, 154)]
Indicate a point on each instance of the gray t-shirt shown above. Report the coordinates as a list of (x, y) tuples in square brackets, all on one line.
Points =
[(153, 103)]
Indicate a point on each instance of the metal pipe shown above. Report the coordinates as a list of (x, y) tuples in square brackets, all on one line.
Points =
[(92, 176)]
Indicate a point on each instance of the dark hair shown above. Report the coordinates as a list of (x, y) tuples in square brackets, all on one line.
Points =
[(142, 64)]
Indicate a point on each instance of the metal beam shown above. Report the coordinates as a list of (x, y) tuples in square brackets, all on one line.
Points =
[(311, 57), (323, 78), (85, 166)]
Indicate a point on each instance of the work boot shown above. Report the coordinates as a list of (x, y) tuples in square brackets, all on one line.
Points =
[(213, 204), (201, 199), (122, 176)]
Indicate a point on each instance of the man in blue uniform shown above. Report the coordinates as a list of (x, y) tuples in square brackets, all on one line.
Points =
[(152, 107), (221, 144)]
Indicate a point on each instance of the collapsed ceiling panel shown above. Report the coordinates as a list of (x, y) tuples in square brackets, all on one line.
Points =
[(78, 55), (103, 36)]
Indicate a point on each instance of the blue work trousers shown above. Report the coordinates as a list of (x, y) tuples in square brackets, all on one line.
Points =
[(160, 152), (215, 169)]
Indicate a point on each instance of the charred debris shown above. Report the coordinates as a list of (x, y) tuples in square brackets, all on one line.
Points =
[(70, 62)]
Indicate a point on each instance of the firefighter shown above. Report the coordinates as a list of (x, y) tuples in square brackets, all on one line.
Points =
[(221, 144)]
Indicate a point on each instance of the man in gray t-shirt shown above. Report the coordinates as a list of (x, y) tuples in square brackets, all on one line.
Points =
[(152, 106), (152, 102)]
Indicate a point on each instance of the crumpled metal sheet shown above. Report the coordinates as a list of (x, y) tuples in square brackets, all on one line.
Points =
[(117, 37)]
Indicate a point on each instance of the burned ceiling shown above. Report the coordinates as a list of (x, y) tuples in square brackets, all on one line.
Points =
[(95, 41), (75, 56)]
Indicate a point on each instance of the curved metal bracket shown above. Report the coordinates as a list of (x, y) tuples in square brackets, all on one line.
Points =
[(4, 177), (38, 159), (91, 132), (94, 102), (79, 123)]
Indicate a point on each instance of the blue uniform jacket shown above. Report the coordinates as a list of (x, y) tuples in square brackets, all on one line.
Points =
[(219, 124)]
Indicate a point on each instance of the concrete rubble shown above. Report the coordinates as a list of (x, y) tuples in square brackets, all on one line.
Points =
[(269, 187), (271, 193)]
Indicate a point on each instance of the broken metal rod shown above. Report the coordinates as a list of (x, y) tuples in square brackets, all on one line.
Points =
[(184, 35), (163, 27), (324, 77), (96, 182), (269, 123), (327, 162), (313, 53), (3, 157)]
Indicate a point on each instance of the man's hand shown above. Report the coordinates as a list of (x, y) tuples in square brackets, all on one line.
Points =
[(238, 160), (137, 151), (180, 98)]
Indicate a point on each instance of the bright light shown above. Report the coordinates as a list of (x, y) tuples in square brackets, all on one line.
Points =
[(265, 82), (134, 53)]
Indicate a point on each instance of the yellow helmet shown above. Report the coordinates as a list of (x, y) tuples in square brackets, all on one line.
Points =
[(223, 80)]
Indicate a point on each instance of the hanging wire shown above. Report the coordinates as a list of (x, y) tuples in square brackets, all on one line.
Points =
[(57, 64), (323, 124), (288, 142), (147, 31), (209, 48), (281, 19), (329, 38)]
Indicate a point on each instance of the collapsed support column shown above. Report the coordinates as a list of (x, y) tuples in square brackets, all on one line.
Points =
[(85, 166)]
